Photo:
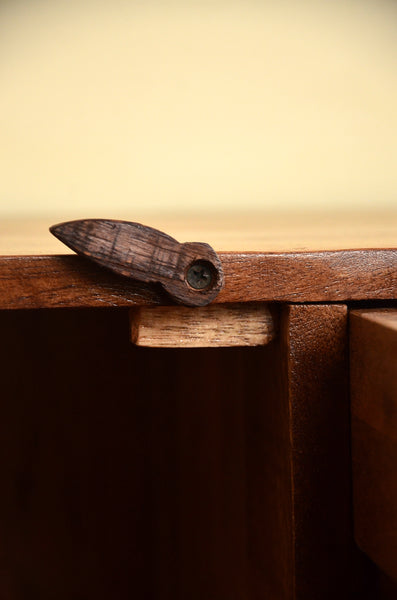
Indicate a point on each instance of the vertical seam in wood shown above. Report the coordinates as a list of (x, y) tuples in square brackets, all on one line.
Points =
[(287, 369)]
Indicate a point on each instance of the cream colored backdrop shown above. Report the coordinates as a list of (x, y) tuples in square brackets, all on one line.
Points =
[(109, 107)]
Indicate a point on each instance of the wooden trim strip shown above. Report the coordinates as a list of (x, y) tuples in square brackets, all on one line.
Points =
[(214, 326), (337, 276)]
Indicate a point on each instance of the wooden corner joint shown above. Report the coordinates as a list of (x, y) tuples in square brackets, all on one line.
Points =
[(216, 325)]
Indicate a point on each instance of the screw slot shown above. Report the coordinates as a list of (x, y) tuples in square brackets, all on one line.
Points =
[(200, 275)]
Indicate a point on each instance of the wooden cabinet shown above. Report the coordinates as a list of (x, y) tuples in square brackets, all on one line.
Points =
[(208, 473)]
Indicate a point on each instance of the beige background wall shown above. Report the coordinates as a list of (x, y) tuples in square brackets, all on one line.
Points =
[(107, 107)]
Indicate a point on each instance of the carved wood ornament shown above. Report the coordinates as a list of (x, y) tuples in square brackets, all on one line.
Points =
[(191, 272)]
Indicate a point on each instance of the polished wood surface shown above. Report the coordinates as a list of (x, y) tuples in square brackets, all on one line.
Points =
[(265, 257), (205, 473), (374, 434), (299, 517), (213, 326), (72, 281), (314, 341)]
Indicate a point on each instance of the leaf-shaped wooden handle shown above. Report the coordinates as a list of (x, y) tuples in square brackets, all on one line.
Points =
[(191, 272)]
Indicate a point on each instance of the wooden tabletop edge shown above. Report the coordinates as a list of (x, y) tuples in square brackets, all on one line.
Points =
[(309, 277)]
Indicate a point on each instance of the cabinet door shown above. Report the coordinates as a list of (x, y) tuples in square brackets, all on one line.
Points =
[(220, 473)]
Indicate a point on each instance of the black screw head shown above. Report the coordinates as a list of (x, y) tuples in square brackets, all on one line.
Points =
[(200, 275)]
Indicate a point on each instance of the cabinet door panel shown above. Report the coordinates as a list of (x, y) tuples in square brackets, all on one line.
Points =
[(167, 474)]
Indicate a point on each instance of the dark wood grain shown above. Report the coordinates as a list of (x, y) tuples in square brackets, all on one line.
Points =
[(314, 340), (69, 281), (374, 435), (146, 254), (62, 281), (173, 474), (123, 470)]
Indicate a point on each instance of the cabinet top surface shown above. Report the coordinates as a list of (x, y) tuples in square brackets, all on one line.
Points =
[(265, 258), (233, 232)]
